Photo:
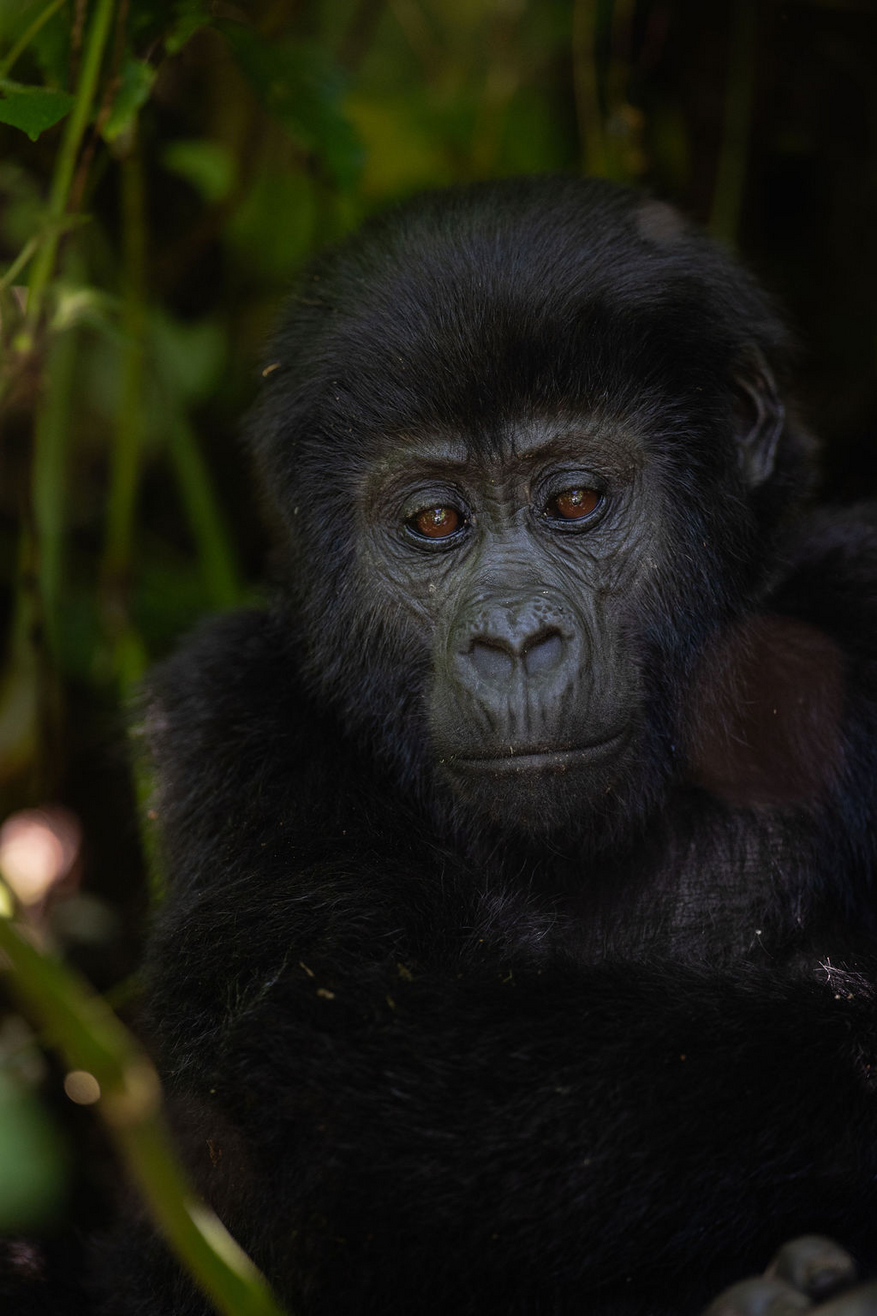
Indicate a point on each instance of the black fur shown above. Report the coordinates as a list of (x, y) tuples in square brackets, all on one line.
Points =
[(432, 1053)]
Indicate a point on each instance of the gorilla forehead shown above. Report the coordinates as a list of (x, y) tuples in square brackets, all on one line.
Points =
[(471, 306), (518, 448)]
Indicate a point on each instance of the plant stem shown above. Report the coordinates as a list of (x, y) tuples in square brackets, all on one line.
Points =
[(129, 421), (43, 265), (28, 35), (205, 519), (49, 484), (91, 1039), (19, 263)]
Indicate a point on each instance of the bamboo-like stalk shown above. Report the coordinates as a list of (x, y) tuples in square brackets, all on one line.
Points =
[(125, 465), (48, 480), (12, 271), (212, 540)]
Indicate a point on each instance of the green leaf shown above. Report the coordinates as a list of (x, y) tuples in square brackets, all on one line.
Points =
[(189, 356), (23, 204), (303, 88), (84, 305), (32, 1169), (51, 46), (137, 79), (190, 17), (404, 150), (32, 109), (208, 166), (260, 244)]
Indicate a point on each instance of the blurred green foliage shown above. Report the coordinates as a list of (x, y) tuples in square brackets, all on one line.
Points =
[(107, 1069), (165, 168), (32, 1160)]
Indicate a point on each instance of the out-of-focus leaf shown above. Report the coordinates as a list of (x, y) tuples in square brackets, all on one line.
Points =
[(531, 142), (170, 593), (32, 1170), (136, 84), (91, 306), (273, 228), (23, 204), (401, 153), (188, 360), (188, 357), (303, 88), (206, 521), (190, 16), (208, 166), (79, 633), (51, 46), (32, 109)]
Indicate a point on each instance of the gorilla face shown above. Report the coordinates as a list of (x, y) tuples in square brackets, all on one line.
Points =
[(524, 472), (520, 570)]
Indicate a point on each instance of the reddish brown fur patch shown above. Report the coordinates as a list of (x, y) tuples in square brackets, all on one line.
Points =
[(765, 723)]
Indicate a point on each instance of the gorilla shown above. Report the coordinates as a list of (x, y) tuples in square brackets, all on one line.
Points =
[(518, 953)]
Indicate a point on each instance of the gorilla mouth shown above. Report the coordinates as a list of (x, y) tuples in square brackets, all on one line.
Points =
[(540, 759)]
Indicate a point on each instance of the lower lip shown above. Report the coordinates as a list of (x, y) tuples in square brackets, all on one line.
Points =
[(546, 761)]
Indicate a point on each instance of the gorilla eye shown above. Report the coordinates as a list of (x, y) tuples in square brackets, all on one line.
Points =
[(573, 504), (436, 522)]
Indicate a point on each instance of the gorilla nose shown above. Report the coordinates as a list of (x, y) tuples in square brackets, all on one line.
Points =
[(543, 652), (495, 657)]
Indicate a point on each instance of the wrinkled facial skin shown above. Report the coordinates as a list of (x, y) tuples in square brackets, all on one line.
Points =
[(528, 456), (519, 571)]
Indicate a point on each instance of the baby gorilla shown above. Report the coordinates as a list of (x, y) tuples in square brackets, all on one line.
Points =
[(518, 954)]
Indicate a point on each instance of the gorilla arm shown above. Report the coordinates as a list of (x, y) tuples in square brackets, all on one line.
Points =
[(573, 1125)]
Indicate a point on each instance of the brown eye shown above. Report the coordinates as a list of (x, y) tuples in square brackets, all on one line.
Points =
[(437, 522), (573, 504)]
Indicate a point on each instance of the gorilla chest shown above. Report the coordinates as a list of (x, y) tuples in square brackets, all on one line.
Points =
[(728, 892)]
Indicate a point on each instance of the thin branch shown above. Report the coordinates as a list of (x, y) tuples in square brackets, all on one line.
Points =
[(49, 476), (19, 263), (129, 419), (215, 553), (43, 265)]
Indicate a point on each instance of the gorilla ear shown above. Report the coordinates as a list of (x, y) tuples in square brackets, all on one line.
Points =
[(760, 417)]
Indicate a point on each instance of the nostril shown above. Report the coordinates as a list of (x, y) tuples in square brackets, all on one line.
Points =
[(543, 652), (490, 661)]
